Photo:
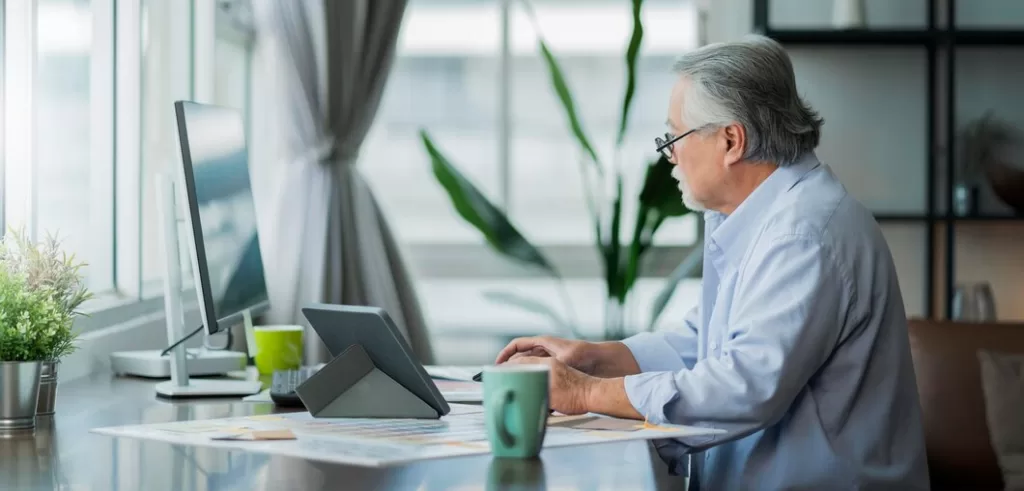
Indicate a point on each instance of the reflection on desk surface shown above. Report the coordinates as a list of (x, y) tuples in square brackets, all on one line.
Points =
[(63, 454)]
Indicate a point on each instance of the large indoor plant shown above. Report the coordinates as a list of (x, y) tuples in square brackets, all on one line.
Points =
[(658, 200), (41, 289)]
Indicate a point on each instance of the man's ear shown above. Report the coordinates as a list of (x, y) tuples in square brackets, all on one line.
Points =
[(735, 143)]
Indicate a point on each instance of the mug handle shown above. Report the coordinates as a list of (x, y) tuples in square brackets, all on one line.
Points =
[(501, 400)]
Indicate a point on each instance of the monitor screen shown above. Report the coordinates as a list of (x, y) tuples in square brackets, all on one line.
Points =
[(222, 213)]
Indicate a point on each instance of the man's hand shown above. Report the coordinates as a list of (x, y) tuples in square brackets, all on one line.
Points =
[(611, 359), (568, 388), (576, 354), (574, 392)]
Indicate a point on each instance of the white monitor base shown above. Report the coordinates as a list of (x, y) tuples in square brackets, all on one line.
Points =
[(209, 388), (200, 362)]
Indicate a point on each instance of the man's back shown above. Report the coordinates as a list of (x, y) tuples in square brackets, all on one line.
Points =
[(865, 395), (825, 395)]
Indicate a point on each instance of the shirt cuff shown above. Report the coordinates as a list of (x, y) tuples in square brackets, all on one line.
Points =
[(649, 393), (653, 353)]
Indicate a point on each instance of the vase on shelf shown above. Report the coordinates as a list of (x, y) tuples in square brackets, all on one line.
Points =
[(849, 14), (965, 199), (974, 302)]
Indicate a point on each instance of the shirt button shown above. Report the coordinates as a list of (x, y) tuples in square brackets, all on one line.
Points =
[(712, 247), (714, 345)]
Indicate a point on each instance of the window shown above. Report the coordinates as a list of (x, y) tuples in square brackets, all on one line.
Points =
[(88, 123), (589, 41), (507, 132), (447, 79), (59, 175), (166, 77)]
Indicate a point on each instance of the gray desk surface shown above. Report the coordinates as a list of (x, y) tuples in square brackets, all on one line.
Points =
[(63, 454)]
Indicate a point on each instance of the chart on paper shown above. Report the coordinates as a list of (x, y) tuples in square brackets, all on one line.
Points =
[(381, 442)]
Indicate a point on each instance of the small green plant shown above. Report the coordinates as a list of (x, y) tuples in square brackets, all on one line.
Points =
[(41, 290)]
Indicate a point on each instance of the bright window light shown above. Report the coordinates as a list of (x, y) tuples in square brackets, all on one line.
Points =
[(469, 30)]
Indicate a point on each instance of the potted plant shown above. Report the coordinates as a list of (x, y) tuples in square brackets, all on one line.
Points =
[(41, 289), (621, 254)]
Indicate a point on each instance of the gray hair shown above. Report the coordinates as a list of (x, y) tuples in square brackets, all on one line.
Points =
[(750, 82)]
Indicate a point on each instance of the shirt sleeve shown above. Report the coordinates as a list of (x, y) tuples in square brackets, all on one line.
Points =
[(668, 350), (785, 319)]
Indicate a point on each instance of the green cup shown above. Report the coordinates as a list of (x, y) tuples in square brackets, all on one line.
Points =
[(278, 348), (516, 409)]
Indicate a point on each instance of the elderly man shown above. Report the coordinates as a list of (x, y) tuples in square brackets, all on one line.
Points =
[(798, 348)]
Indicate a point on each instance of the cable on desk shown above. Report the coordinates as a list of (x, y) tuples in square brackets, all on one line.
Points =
[(182, 340)]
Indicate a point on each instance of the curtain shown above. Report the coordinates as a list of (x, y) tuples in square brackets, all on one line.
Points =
[(329, 240)]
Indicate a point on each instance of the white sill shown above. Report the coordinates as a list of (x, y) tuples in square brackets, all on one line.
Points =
[(107, 300), (113, 309)]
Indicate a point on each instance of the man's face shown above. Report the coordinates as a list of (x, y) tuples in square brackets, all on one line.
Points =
[(699, 158)]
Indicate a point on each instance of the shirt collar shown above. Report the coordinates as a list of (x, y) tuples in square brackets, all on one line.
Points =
[(729, 235)]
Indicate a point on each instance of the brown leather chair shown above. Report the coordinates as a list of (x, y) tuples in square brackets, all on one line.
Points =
[(960, 454)]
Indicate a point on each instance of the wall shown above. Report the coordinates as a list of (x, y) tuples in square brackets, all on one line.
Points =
[(873, 101)]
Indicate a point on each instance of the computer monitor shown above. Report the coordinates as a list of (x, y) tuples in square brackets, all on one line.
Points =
[(225, 249)]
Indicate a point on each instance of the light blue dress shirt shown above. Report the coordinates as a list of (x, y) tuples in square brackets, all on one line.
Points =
[(798, 349)]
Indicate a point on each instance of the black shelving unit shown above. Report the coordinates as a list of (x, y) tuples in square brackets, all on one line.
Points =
[(856, 37), (933, 39)]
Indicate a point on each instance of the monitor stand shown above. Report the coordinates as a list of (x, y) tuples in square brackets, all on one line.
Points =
[(180, 384)]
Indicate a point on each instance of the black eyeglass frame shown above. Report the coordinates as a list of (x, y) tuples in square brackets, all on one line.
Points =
[(668, 141)]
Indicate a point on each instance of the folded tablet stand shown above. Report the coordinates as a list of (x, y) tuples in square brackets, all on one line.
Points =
[(351, 386)]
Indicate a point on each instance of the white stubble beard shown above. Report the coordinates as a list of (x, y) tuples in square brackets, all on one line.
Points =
[(688, 200)]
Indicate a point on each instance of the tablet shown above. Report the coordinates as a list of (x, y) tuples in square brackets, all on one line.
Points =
[(341, 326)]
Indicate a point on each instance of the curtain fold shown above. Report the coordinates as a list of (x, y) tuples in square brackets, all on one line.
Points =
[(331, 242)]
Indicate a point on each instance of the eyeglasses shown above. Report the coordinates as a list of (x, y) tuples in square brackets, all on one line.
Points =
[(665, 144)]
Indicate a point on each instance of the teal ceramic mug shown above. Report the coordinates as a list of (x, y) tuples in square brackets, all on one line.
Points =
[(516, 409)]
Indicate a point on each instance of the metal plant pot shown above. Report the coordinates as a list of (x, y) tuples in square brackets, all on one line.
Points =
[(47, 388), (19, 394)]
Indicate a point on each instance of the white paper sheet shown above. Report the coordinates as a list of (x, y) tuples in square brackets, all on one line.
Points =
[(460, 391), (373, 442), (453, 372)]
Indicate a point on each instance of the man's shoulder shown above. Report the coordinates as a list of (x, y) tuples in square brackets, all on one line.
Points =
[(819, 208)]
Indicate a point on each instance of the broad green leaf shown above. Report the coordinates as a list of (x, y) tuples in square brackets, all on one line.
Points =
[(532, 305), (660, 199), (562, 90), (684, 270), (474, 207), (636, 246), (660, 191), (613, 248), (631, 55)]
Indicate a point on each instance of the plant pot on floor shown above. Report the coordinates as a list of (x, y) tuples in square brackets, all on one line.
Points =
[(19, 394), (47, 388)]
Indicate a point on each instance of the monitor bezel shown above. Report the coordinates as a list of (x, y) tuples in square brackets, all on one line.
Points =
[(200, 268)]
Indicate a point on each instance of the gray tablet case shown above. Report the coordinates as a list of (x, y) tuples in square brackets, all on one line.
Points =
[(351, 386), (373, 374)]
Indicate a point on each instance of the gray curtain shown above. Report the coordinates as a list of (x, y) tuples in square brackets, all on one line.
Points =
[(331, 241)]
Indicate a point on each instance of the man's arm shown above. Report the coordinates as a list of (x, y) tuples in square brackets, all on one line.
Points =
[(786, 319), (608, 396), (669, 350), (660, 351)]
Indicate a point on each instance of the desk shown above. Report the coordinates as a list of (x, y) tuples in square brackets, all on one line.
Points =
[(64, 455)]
